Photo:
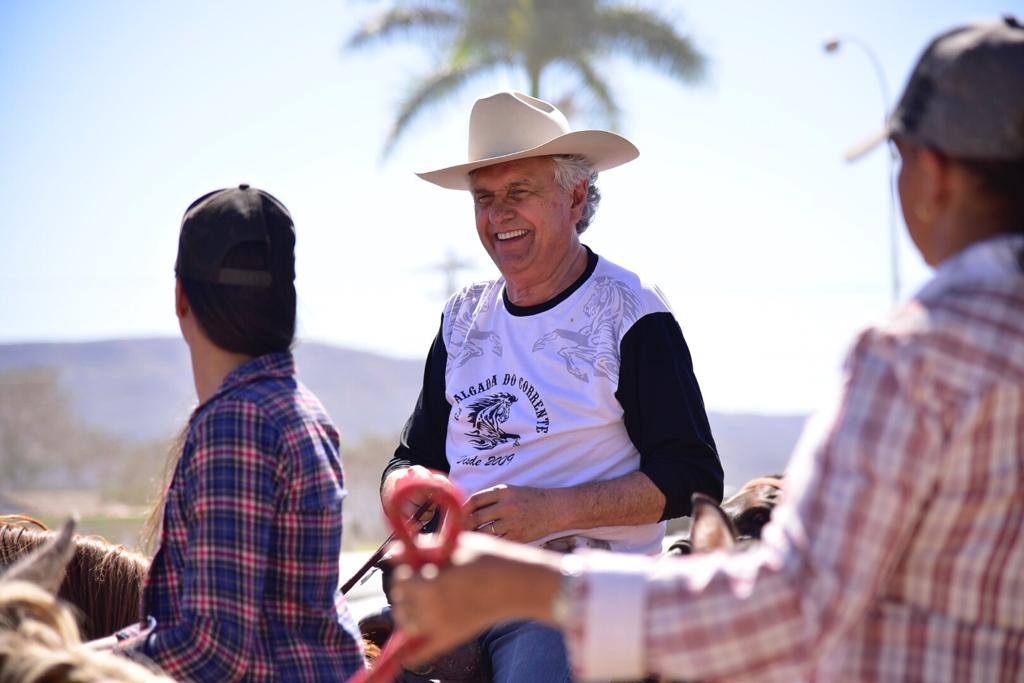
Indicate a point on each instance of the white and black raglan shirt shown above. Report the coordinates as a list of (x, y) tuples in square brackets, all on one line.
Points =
[(591, 385)]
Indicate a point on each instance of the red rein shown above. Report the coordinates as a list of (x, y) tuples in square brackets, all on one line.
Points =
[(416, 554)]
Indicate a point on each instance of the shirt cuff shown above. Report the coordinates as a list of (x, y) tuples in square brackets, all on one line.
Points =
[(605, 621), (134, 636)]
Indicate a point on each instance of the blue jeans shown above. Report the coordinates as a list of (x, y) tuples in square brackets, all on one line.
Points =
[(523, 651)]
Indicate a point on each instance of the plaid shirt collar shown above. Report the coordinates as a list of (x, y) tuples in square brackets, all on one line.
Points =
[(277, 365), (988, 260)]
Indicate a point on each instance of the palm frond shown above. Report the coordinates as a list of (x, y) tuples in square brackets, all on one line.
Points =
[(648, 38), (541, 37), (599, 90), (495, 22), (432, 90), (412, 22)]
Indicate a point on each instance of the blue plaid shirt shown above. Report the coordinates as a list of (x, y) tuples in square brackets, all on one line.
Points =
[(245, 583)]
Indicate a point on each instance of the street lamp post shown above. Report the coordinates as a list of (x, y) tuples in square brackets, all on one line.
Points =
[(832, 46)]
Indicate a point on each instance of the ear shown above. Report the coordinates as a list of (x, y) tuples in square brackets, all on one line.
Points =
[(181, 306), (45, 565), (934, 169), (579, 195), (711, 528)]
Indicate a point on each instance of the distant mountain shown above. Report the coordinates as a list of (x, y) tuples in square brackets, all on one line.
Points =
[(754, 445), (141, 389)]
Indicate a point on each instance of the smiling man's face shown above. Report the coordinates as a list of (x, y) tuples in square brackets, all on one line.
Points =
[(526, 221)]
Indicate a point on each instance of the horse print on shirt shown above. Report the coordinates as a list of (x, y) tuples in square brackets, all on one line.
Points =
[(610, 306), (486, 415)]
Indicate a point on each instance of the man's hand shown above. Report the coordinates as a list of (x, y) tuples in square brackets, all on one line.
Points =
[(488, 581), (413, 503), (525, 513), (515, 513)]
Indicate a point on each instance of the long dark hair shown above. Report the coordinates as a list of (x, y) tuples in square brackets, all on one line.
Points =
[(1003, 183), (250, 320), (241, 319)]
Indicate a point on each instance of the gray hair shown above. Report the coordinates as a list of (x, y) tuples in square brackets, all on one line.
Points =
[(570, 169)]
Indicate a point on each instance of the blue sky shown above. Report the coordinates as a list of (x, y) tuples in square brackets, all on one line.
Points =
[(114, 116)]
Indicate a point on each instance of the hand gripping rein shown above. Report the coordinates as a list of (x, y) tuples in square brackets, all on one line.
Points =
[(419, 551)]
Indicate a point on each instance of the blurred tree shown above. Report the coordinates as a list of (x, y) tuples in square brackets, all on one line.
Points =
[(44, 445), (33, 425), (364, 462), (129, 472), (566, 38)]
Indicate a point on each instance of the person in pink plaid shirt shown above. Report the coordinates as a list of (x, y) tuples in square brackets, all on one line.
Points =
[(897, 553)]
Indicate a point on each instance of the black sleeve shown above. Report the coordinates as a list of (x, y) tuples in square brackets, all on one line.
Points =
[(664, 413), (425, 432)]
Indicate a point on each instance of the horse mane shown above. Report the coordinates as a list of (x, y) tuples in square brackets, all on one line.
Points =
[(29, 611), (103, 580), (39, 637), (40, 643), (101, 593)]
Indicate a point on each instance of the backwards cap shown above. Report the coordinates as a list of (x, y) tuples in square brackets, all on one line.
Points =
[(965, 96), (218, 222)]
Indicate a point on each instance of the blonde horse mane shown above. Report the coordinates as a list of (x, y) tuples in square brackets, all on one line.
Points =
[(39, 637)]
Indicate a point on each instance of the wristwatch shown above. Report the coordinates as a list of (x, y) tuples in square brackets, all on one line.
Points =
[(568, 589)]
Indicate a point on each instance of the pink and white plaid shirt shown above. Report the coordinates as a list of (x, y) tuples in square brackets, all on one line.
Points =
[(898, 552)]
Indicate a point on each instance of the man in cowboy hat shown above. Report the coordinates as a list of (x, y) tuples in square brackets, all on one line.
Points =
[(560, 397), (897, 552)]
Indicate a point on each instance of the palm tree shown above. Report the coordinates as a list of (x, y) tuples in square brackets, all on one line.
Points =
[(553, 43)]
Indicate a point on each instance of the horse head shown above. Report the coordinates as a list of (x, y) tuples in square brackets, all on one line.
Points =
[(735, 523), (751, 507), (28, 592)]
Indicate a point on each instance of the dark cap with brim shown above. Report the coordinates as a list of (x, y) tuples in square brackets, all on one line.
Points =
[(218, 222), (965, 96)]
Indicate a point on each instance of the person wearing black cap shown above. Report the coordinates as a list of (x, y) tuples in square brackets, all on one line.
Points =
[(244, 584), (897, 552)]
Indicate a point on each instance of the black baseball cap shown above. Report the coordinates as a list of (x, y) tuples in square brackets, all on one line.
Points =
[(965, 96), (221, 220)]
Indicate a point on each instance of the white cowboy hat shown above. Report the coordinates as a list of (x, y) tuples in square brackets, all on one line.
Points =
[(510, 125)]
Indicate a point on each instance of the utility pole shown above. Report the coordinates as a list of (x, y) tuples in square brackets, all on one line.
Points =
[(450, 267)]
